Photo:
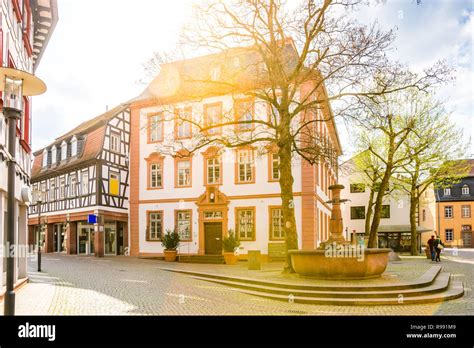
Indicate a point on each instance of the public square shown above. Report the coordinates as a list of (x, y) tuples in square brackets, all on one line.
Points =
[(75, 285)]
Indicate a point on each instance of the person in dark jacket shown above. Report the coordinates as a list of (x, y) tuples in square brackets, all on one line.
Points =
[(438, 246), (431, 246)]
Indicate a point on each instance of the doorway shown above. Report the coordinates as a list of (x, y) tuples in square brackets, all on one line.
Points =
[(59, 238), (467, 239), (110, 239), (213, 238), (85, 240)]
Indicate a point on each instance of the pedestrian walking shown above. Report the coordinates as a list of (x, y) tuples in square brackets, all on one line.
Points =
[(438, 246), (431, 246)]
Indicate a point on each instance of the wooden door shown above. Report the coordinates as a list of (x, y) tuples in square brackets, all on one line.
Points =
[(467, 239), (213, 238)]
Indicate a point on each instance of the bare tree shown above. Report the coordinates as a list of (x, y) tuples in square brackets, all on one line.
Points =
[(298, 61), (435, 166)]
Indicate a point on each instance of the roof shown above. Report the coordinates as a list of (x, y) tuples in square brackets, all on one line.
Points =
[(45, 17), (190, 79), (92, 132)]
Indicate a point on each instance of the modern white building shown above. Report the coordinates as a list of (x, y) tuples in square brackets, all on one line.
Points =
[(394, 229), (25, 28), (215, 189)]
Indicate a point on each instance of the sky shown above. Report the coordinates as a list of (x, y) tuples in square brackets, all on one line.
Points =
[(96, 54)]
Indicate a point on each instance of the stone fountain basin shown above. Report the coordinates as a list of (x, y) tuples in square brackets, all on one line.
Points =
[(315, 264)]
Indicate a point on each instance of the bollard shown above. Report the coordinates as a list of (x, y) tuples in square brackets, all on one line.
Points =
[(254, 259)]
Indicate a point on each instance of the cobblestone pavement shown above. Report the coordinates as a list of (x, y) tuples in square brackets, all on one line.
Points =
[(73, 285)]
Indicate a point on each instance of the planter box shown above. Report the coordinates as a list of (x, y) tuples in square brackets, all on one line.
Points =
[(170, 255)]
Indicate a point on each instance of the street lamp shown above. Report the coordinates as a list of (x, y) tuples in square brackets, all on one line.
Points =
[(39, 200), (16, 84)]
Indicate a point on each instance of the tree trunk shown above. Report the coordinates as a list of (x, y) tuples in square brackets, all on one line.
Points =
[(413, 224), (378, 208), (368, 217), (286, 187)]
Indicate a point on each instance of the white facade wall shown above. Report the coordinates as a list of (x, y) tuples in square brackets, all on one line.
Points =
[(399, 202), (149, 199)]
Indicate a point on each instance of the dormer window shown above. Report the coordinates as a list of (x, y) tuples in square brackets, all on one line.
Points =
[(447, 191), (45, 158), (63, 150), (465, 190), (216, 73), (54, 155), (74, 147)]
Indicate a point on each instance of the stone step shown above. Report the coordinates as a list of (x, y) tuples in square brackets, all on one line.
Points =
[(454, 291), (204, 259), (440, 284), (425, 280)]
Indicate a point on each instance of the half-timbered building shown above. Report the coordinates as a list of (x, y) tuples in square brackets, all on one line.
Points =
[(84, 173), (25, 29), (204, 194)]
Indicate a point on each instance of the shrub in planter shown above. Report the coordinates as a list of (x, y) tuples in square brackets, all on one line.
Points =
[(170, 242), (230, 244)]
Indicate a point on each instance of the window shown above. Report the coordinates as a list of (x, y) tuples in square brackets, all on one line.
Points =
[(273, 113), (183, 123), (448, 212), (213, 215), (357, 188), (424, 214), (156, 175), (155, 128), (62, 188), (274, 163), (236, 61), (155, 225), (63, 151), (212, 117), (465, 190), (213, 171), (244, 111), (357, 213), (245, 167), (276, 224), (385, 213), (183, 169), (115, 143), (45, 158), (85, 182), (466, 228), (183, 224), (245, 223), (53, 154), (73, 185), (215, 73), (52, 190), (74, 147), (449, 235), (377, 187), (466, 211), (447, 191), (114, 183)]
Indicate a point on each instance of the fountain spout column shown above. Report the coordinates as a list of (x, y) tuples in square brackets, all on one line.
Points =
[(335, 225)]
